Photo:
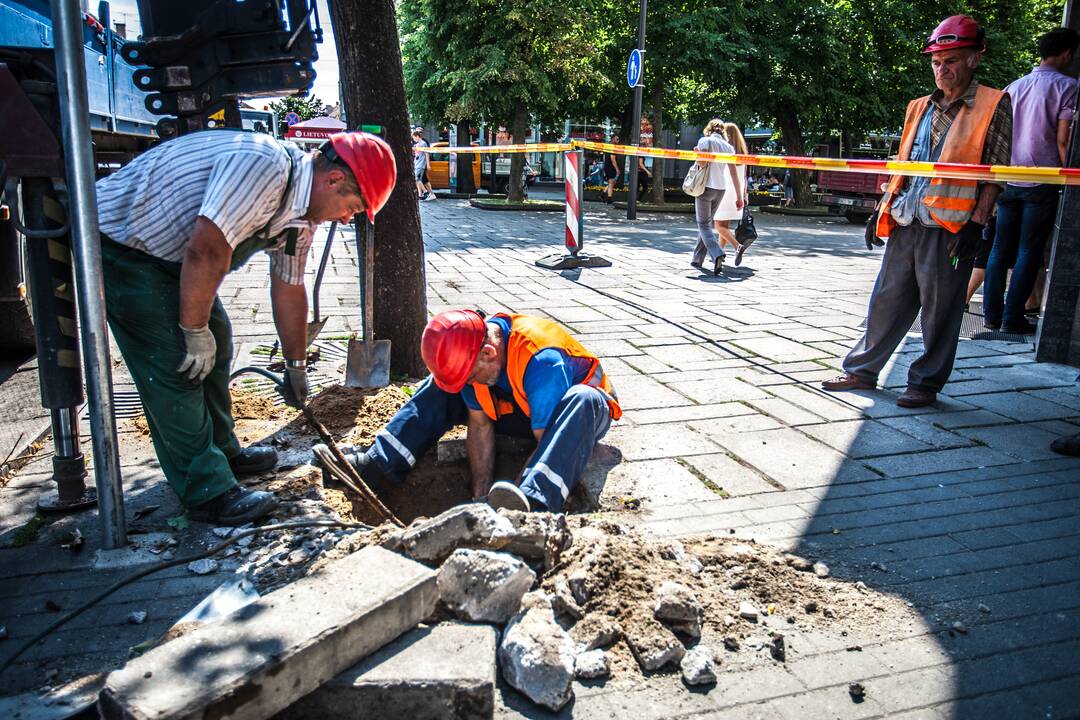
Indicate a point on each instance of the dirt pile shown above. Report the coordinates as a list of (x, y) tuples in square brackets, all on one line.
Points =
[(355, 415), (614, 571)]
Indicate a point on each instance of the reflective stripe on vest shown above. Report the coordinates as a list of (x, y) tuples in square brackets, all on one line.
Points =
[(951, 202), (528, 336)]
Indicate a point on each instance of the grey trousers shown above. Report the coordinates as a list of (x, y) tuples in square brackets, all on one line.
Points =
[(916, 276), (705, 206)]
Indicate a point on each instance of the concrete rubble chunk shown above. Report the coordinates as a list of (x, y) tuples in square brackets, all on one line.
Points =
[(578, 582), (474, 525), (748, 611), (596, 631), (591, 665), (203, 567), (536, 534), (699, 666), (678, 608), (537, 658), (564, 603), (654, 647), (441, 672), (265, 656), (484, 586), (799, 563), (821, 570)]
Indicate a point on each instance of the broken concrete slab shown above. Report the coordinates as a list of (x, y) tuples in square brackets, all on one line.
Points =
[(699, 666), (484, 586), (591, 665), (441, 672), (562, 600), (537, 658), (262, 658), (473, 525), (654, 647), (140, 550), (678, 608), (596, 631), (536, 534)]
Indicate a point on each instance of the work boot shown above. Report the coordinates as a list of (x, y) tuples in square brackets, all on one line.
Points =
[(914, 397), (253, 460), (847, 381), (355, 455), (507, 495), (238, 506)]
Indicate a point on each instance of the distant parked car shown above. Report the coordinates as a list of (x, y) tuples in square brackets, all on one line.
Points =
[(439, 168)]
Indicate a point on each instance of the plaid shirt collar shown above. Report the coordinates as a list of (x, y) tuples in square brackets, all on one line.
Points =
[(968, 98)]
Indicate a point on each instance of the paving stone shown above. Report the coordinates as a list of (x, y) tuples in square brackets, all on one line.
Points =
[(1023, 441), (794, 460), (718, 390), (669, 440), (936, 461), (818, 403), (259, 660), (732, 477), (1021, 406), (861, 439), (638, 392), (432, 672), (680, 413), (656, 483), (786, 412)]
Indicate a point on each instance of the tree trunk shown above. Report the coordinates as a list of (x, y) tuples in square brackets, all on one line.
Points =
[(521, 122), (465, 161), (791, 134), (366, 36), (657, 96)]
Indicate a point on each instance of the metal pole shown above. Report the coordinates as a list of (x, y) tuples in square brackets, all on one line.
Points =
[(79, 164), (635, 128)]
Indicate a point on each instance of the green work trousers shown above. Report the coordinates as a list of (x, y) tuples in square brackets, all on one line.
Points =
[(190, 422)]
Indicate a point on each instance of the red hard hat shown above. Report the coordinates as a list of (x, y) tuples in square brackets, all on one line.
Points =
[(958, 31), (372, 162), (450, 346)]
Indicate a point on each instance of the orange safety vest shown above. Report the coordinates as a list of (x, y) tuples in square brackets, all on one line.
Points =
[(951, 201), (528, 336)]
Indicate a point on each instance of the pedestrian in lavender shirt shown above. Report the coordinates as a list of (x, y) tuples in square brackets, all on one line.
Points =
[(1044, 102)]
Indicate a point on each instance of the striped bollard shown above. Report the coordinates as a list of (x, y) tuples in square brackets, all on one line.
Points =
[(575, 220)]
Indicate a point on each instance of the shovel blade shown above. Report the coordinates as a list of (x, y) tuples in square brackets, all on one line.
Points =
[(368, 364), (313, 329)]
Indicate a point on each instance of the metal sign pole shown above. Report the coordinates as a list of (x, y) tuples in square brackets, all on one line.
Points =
[(79, 164), (635, 129)]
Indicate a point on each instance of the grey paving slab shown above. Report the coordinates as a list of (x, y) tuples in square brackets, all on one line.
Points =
[(688, 412), (862, 439), (640, 391), (669, 440), (718, 390), (794, 460), (1021, 406), (780, 349), (1022, 440), (731, 476)]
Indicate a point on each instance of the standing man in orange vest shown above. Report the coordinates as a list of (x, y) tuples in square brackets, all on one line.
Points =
[(933, 226), (512, 374)]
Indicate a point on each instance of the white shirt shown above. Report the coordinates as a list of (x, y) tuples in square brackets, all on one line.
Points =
[(718, 172), (237, 180)]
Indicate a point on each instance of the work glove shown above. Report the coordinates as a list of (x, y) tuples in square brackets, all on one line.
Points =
[(296, 387), (870, 233), (200, 352), (966, 243)]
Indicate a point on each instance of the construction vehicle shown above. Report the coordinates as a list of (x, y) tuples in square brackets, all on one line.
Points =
[(194, 63), (853, 195)]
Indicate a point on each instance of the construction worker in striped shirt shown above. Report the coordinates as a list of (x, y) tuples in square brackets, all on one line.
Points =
[(173, 223), (510, 374)]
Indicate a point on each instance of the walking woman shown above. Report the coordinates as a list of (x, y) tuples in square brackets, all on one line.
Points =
[(611, 171), (717, 181), (727, 211)]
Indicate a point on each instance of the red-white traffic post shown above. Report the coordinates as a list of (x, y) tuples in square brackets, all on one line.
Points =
[(573, 165)]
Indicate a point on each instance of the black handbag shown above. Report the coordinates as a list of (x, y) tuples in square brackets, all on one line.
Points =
[(746, 233)]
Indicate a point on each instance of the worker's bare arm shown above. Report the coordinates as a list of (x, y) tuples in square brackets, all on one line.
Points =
[(206, 260), (984, 206), (289, 303), (480, 447)]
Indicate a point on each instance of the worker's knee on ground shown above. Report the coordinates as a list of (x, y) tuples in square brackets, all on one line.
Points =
[(586, 398)]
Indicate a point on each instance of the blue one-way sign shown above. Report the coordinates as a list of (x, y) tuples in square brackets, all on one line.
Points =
[(634, 67)]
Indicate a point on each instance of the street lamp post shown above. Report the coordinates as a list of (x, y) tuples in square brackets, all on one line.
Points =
[(635, 128)]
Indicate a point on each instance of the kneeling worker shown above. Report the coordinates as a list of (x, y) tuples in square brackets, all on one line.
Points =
[(511, 374)]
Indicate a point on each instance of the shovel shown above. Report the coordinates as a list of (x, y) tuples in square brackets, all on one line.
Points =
[(368, 361), (316, 325)]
